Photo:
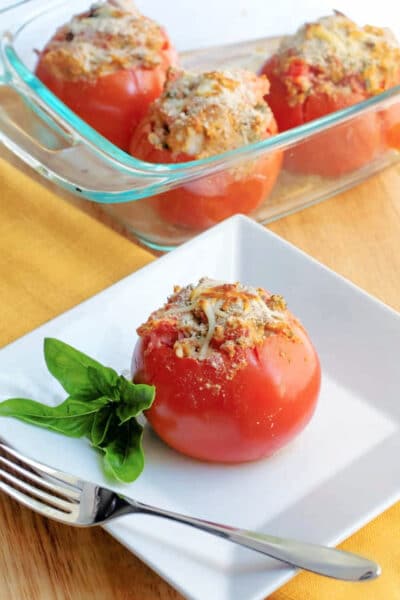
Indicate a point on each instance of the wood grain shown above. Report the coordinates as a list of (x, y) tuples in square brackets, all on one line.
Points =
[(357, 234)]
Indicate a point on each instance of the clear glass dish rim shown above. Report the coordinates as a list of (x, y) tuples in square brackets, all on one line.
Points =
[(13, 4), (177, 171)]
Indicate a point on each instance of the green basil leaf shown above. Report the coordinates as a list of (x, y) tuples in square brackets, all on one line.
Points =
[(101, 424), (73, 417), (123, 458), (101, 406), (134, 399), (71, 368), (103, 382)]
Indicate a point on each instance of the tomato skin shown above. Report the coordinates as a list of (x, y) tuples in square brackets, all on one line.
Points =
[(113, 104), (338, 150), (205, 414), (205, 202), (391, 118)]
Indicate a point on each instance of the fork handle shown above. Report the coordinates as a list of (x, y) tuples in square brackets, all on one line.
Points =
[(310, 557)]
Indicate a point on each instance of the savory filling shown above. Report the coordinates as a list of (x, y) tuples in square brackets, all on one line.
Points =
[(214, 317), (112, 35), (339, 53), (203, 114)]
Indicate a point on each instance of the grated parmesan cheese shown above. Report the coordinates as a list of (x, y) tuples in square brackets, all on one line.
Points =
[(111, 36), (340, 54), (203, 114), (214, 317)]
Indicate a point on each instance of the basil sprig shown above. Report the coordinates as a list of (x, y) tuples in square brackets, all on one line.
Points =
[(101, 405)]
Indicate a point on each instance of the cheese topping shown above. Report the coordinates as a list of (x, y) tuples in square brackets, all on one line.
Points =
[(214, 317), (340, 54), (111, 36), (203, 114)]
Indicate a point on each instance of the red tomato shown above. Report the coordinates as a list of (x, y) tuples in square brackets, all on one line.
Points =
[(391, 118), (113, 104), (338, 150), (204, 412), (333, 152), (207, 201)]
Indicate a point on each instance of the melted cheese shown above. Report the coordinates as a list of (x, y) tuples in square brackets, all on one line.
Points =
[(214, 317), (211, 314)]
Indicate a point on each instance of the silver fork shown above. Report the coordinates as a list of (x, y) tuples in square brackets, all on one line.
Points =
[(66, 498)]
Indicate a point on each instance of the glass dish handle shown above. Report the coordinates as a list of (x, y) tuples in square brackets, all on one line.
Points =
[(44, 143)]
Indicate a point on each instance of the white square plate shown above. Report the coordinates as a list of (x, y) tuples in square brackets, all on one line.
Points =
[(338, 474)]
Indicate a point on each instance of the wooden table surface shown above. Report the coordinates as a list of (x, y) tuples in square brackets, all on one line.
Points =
[(357, 234)]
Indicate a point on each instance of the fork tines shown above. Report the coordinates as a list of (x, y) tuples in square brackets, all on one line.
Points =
[(39, 490)]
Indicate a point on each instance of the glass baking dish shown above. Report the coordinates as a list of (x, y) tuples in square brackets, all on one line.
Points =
[(42, 131)]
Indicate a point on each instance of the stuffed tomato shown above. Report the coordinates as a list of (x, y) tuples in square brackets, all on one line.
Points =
[(326, 66), (108, 65), (236, 374), (201, 115)]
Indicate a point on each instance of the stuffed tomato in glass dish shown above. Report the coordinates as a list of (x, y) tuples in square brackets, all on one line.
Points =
[(199, 115), (163, 204), (329, 65), (108, 64), (235, 372)]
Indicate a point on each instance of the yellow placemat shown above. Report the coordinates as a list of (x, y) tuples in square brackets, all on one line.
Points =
[(379, 540), (52, 256)]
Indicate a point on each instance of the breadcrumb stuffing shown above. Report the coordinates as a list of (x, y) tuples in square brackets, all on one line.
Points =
[(112, 35), (214, 317), (203, 114), (339, 54)]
